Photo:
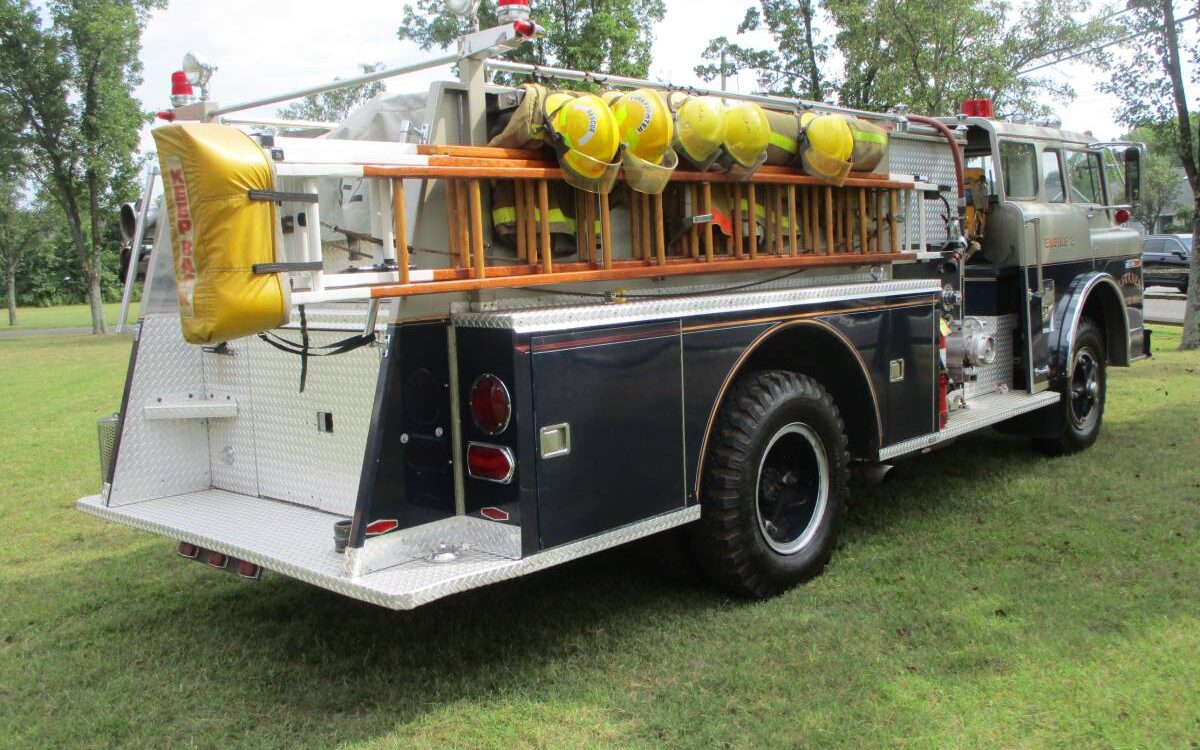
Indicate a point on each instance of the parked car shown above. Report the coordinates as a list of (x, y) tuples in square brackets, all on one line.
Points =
[(1165, 260)]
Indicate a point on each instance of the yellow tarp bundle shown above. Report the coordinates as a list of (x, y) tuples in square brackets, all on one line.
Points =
[(218, 234)]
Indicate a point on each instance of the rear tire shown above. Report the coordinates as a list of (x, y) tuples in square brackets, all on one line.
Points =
[(1082, 407), (774, 482)]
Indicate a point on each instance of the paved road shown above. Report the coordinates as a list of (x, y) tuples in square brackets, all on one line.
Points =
[(1164, 306)]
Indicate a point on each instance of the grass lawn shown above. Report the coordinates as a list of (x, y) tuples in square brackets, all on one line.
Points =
[(985, 598), (64, 316)]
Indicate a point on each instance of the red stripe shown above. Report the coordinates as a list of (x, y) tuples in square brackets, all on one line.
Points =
[(612, 338)]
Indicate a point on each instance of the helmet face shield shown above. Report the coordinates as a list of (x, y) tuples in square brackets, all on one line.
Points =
[(743, 172), (747, 136), (584, 134), (826, 168), (700, 130), (645, 177), (585, 173)]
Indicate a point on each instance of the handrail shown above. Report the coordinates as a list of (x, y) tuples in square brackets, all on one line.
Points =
[(378, 75), (788, 103), (280, 123)]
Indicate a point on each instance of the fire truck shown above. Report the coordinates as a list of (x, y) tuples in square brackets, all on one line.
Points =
[(396, 358)]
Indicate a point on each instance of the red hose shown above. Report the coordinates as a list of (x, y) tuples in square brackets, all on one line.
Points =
[(958, 164)]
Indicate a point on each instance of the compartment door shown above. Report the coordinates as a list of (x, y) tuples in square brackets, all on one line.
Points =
[(608, 422)]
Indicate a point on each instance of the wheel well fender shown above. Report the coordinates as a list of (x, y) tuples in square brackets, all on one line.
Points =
[(816, 349), (1096, 296)]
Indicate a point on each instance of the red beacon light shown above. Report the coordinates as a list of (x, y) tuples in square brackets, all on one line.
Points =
[(1122, 215), (182, 92), (511, 11), (979, 108)]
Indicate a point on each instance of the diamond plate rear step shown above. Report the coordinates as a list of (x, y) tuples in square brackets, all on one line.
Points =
[(980, 412), (298, 542)]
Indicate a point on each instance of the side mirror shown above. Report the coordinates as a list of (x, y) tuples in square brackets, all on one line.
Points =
[(1133, 175)]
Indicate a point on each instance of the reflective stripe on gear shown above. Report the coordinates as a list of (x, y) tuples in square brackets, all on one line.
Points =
[(508, 215), (782, 141), (761, 212)]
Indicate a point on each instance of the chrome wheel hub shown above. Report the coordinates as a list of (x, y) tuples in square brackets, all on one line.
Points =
[(792, 488), (1085, 388)]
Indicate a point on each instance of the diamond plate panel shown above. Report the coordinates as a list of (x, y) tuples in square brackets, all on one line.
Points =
[(161, 457), (298, 542), (459, 533), (933, 161), (296, 462), (596, 314), (983, 411), (231, 443), (990, 377)]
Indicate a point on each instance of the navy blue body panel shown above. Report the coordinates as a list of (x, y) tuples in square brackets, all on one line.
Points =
[(620, 390), (407, 469), (911, 402), (505, 355), (709, 356), (712, 355)]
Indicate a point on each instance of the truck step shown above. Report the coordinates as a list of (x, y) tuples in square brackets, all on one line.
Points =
[(981, 411), (298, 542)]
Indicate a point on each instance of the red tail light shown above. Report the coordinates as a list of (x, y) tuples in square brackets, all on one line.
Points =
[(248, 569), (525, 27), (493, 463), (188, 550), (1122, 215), (491, 406), (215, 560)]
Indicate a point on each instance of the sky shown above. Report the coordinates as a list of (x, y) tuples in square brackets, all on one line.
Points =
[(265, 47)]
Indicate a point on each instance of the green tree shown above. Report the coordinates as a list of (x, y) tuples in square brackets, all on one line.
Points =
[(606, 36), (25, 235), (1162, 176), (1149, 82), (69, 69), (335, 106), (792, 67), (926, 55)]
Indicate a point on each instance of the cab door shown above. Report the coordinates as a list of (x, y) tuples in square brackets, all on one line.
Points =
[(1085, 177)]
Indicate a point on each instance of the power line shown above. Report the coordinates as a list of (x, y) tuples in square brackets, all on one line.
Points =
[(1099, 47)]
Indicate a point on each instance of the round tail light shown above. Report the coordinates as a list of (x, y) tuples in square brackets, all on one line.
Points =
[(1122, 215), (491, 405), (494, 463)]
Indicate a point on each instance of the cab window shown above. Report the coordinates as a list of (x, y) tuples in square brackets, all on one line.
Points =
[(1114, 174), (1018, 164), (1052, 176), (1085, 177)]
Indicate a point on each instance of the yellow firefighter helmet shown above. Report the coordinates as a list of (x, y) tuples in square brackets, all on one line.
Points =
[(747, 135), (826, 146), (584, 133), (646, 131), (699, 128)]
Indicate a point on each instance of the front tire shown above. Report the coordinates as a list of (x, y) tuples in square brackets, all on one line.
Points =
[(772, 496), (1082, 407)]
